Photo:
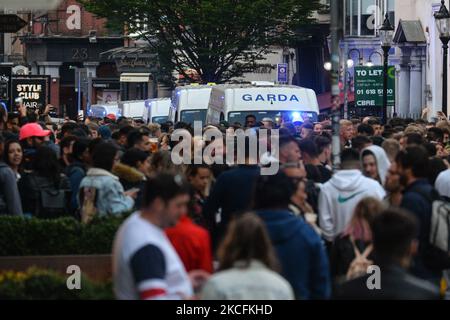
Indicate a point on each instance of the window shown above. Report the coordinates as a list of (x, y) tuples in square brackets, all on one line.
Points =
[(363, 17)]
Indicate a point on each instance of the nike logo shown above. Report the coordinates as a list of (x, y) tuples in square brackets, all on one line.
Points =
[(342, 199)]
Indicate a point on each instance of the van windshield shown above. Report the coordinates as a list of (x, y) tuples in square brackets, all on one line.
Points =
[(159, 120), (290, 116), (189, 116)]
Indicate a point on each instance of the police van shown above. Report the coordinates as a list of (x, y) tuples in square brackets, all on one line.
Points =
[(157, 110), (132, 109), (190, 103), (102, 110), (234, 103)]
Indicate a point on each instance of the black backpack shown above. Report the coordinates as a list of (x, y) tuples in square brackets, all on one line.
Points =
[(53, 200)]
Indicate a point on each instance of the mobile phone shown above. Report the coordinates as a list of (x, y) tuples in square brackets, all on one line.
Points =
[(81, 115), (132, 190)]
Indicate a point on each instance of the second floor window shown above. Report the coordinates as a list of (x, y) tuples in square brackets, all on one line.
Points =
[(363, 17)]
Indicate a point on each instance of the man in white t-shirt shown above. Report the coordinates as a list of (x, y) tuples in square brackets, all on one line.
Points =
[(145, 265)]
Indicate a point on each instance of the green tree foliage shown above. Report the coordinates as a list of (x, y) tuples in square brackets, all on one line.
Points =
[(219, 39)]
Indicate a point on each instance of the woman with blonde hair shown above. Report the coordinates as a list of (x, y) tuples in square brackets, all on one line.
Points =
[(352, 250), (247, 265)]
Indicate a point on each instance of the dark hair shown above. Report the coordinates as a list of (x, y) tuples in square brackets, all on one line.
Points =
[(416, 158), (246, 240), (321, 142), (359, 142), (350, 158), (308, 125), (66, 142), (437, 165), (431, 148), (396, 122), (79, 147), (366, 129), (393, 231), (46, 164), (192, 170), (103, 156), (165, 186), (132, 156), (309, 147), (249, 116), (273, 192), (286, 139), (68, 127), (414, 138), (376, 140), (94, 143), (373, 121), (435, 134), (134, 137), (6, 148), (124, 131)]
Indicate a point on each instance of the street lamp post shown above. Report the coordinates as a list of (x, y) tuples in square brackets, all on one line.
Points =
[(443, 25), (386, 33)]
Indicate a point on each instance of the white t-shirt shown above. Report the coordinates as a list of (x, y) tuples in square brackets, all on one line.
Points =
[(145, 264), (443, 183)]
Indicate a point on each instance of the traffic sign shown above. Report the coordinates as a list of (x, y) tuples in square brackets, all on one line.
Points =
[(282, 73), (11, 23), (369, 86)]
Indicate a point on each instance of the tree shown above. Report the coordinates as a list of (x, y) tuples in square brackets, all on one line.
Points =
[(219, 39)]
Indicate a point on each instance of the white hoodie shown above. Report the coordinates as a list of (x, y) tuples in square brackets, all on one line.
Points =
[(382, 159), (339, 197)]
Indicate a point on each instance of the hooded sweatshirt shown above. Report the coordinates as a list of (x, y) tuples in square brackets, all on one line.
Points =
[(339, 197), (382, 159), (301, 253)]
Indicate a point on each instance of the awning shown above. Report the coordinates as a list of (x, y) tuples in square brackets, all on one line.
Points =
[(324, 100), (134, 77)]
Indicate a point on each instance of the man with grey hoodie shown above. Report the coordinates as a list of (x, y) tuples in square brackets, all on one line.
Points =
[(340, 195)]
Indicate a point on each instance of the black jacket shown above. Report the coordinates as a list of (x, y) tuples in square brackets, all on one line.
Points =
[(418, 200), (232, 193), (396, 284)]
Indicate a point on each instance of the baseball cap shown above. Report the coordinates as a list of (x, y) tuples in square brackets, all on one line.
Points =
[(267, 120), (111, 116), (32, 130)]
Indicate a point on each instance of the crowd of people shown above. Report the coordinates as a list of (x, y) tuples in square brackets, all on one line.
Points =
[(223, 231)]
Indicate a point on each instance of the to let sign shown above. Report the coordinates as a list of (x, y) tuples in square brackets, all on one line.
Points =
[(369, 86), (11, 23)]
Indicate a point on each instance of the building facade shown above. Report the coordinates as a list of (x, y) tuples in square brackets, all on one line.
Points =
[(425, 58)]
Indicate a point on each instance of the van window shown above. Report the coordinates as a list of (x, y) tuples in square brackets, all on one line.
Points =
[(159, 120), (293, 116), (189, 116)]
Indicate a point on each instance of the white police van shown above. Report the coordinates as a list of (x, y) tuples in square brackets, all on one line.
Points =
[(190, 103), (102, 110), (157, 110), (234, 103), (132, 109)]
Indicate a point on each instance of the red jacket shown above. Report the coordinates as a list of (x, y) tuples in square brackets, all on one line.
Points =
[(192, 244)]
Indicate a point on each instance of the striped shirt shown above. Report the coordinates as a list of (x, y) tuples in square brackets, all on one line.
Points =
[(145, 265)]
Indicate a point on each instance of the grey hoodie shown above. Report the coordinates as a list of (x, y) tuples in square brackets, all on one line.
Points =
[(10, 202)]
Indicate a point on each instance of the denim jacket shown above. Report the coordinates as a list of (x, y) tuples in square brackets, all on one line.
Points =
[(110, 194)]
